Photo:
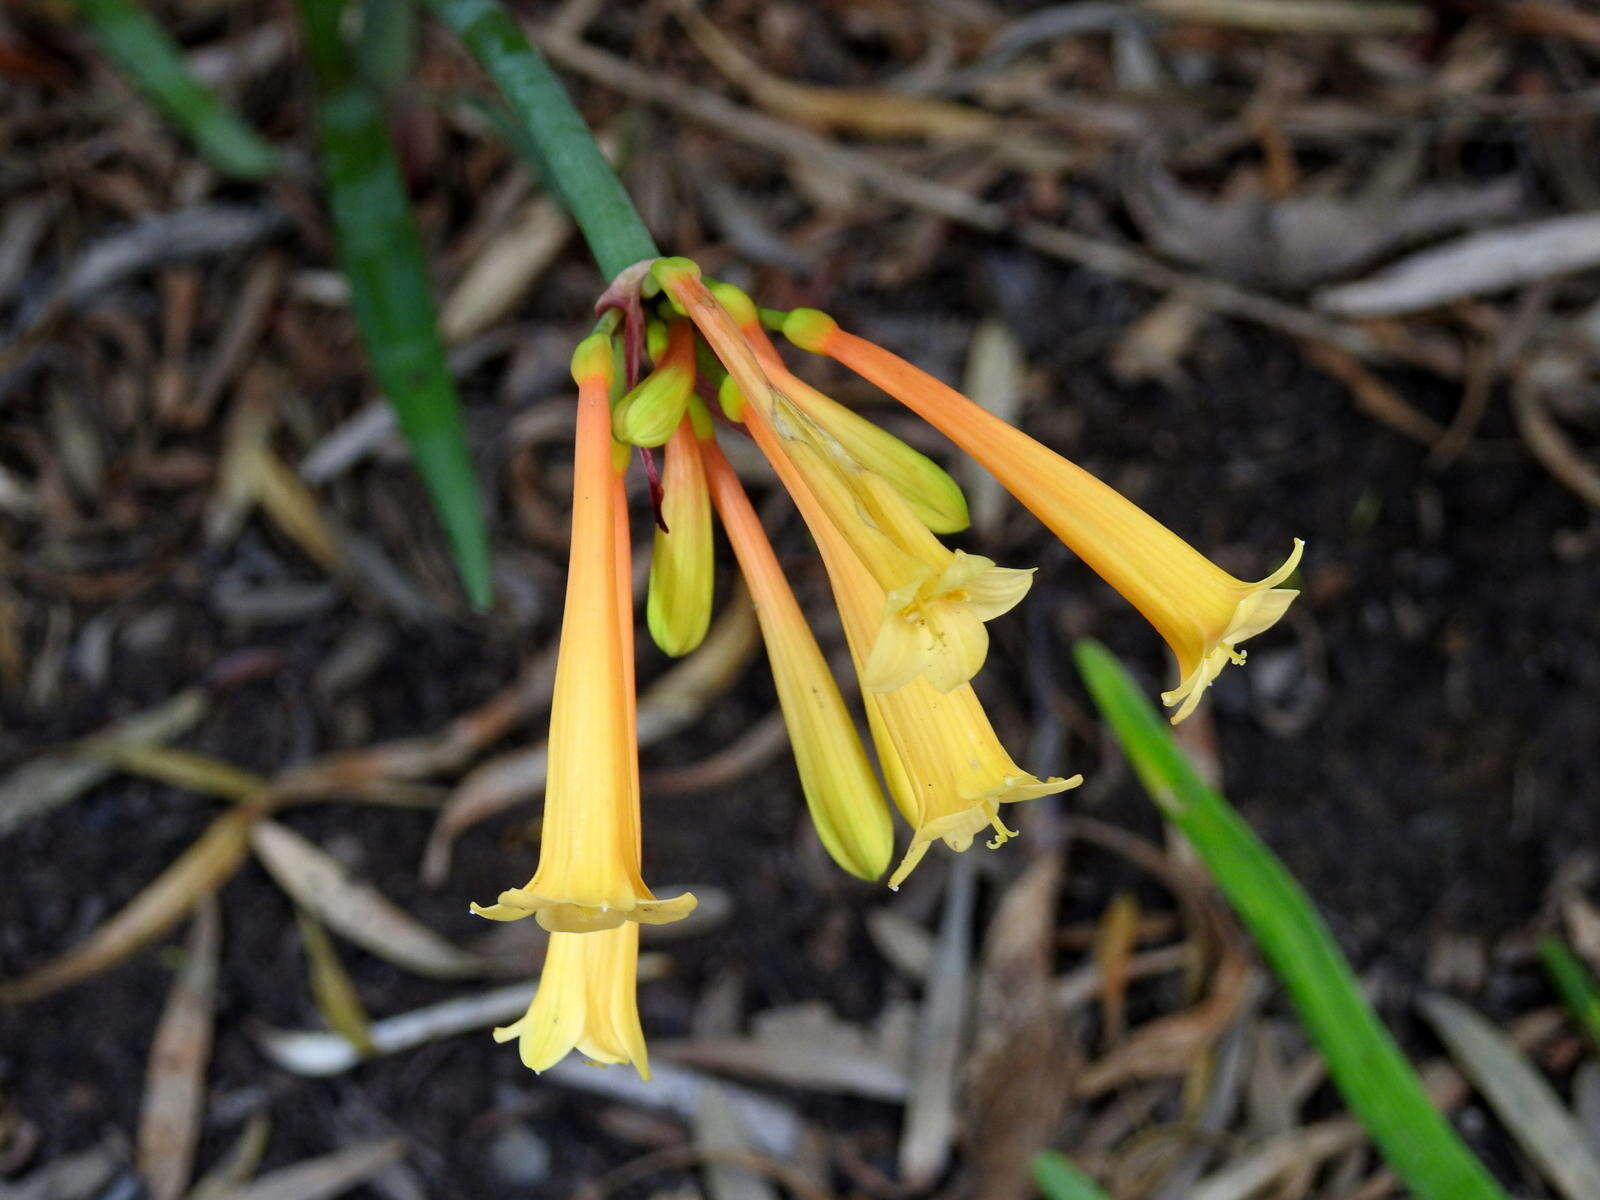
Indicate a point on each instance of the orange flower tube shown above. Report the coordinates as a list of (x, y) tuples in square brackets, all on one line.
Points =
[(841, 791), (588, 877), (1203, 612)]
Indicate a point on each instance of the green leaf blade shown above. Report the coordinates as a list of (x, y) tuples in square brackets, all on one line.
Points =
[(391, 295), (144, 52), (1059, 1179), (1375, 1079)]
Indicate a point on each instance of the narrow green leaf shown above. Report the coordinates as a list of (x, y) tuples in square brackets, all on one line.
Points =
[(568, 154), (388, 37), (1058, 1179), (1574, 984), (390, 292), (1376, 1080), (131, 37)]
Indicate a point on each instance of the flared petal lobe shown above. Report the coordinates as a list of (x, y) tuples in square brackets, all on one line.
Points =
[(585, 1002)]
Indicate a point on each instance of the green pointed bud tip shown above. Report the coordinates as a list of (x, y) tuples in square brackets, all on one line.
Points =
[(739, 306), (655, 340), (700, 420), (809, 328), (592, 360), (731, 397), (647, 415), (666, 271), (772, 319)]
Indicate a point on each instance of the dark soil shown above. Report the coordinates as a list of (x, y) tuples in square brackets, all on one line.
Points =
[(1418, 743)]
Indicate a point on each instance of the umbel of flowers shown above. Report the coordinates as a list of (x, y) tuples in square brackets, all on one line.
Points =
[(914, 612)]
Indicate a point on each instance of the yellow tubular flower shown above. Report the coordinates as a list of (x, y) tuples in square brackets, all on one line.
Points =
[(946, 769), (936, 600), (1203, 612), (934, 496), (585, 1002), (678, 608), (588, 877), (841, 791)]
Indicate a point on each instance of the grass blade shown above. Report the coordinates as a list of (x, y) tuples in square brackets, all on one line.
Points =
[(390, 292), (1574, 983), (1058, 1179), (1374, 1077), (133, 40)]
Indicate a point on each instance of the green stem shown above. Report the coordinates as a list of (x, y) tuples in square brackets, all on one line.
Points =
[(573, 163), (131, 37)]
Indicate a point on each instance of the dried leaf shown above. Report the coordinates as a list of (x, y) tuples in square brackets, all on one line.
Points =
[(1302, 240), (196, 873), (773, 1127), (1248, 1174), (321, 1178), (718, 1131), (1023, 1062), (175, 1087), (906, 944), (1366, 18), (318, 1053), (72, 1176), (1474, 265), (833, 1058), (504, 270), (858, 110), (1115, 939), (331, 987), (930, 1122), (1519, 1095), (57, 776), (180, 768), (1166, 1046), (354, 909), (994, 377), (239, 1163)]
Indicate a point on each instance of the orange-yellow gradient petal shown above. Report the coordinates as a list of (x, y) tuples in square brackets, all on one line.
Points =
[(588, 876), (1202, 611), (842, 794), (585, 1002), (946, 769)]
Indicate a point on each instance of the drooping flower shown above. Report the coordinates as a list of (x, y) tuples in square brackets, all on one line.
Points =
[(936, 601), (841, 791), (1202, 611), (589, 869), (945, 767), (586, 1002), (927, 487)]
